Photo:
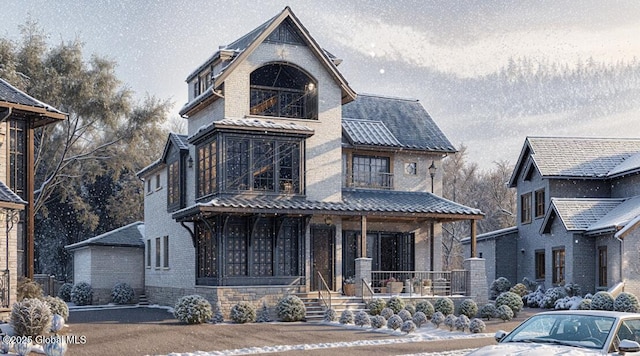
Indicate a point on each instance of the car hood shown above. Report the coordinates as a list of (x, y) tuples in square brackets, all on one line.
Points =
[(526, 349)]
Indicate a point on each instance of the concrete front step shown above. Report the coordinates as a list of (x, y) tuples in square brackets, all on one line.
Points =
[(316, 309)]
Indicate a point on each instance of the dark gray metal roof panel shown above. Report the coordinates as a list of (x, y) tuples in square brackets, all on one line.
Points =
[(11, 94), (130, 235), (8, 196), (368, 132)]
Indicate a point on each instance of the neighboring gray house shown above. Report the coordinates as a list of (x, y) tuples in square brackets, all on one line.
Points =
[(577, 218), (113, 257)]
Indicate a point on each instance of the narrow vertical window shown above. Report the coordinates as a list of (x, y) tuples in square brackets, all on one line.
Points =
[(525, 208), (539, 203), (165, 252), (158, 252), (157, 181), (558, 265), (602, 266), (540, 273), (207, 174), (148, 253), (149, 186), (173, 185)]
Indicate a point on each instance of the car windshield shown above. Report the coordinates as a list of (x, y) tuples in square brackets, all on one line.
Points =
[(566, 329)]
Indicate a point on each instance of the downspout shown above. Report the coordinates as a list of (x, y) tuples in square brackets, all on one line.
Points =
[(621, 256), (9, 112)]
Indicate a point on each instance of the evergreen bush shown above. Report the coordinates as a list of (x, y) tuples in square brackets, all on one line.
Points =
[(535, 298), (419, 318), (519, 289), (193, 309), (65, 292), (243, 312), (217, 316), (405, 315), (410, 308), (28, 289), (504, 312), (573, 289), (57, 306), (395, 322), (122, 293), (330, 315), (626, 302), (437, 318), (585, 304), (263, 315), (376, 305), (426, 307), (450, 321), (346, 317), (488, 311), (378, 321), (30, 317), (567, 303), (499, 286), (551, 296), (82, 294), (387, 313), (602, 301), (444, 305), (408, 327), (469, 308), (462, 323), (396, 304), (291, 308), (362, 318), (477, 325), (513, 300)]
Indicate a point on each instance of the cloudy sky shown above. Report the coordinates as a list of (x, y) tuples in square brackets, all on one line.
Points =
[(158, 43)]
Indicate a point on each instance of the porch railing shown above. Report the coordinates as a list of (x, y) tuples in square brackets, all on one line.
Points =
[(324, 292), (367, 291), (4, 289), (422, 283)]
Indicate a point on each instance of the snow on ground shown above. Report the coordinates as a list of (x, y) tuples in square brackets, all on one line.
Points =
[(425, 333)]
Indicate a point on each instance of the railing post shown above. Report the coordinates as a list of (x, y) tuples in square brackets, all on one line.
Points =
[(363, 270), (477, 287)]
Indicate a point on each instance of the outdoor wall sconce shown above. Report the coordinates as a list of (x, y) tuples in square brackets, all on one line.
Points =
[(328, 220), (522, 251), (190, 162)]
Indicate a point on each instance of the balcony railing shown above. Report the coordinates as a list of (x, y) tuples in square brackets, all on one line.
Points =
[(370, 180), (4, 289), (423, 283)]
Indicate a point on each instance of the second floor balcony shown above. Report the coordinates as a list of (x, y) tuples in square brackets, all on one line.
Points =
[(370, 180)]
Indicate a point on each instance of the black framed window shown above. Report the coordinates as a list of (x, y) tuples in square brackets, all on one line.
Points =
[(262, 248), (602, 266), (207, 169), (173, 185), (165, 252), (207, 252), (525, 208), (539, 264), (237, 243), (263, 158), (237, 163), (371, 172), (288, 247), (539, 203), (158, 252), (558, 265), (148, 245)]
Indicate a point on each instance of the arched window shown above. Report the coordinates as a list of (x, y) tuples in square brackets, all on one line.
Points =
[(283, 90)]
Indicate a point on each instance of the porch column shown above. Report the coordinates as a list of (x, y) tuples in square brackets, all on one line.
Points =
[(477, 280), (363, 237), (363, 270), (473, 239)]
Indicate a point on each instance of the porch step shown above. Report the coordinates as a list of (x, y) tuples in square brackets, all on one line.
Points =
[(142, 299), (316, 309)]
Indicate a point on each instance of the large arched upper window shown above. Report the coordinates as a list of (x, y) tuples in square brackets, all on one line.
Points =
[(283, 90)]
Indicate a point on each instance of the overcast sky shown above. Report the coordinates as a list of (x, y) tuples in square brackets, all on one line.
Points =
[(158, 43)]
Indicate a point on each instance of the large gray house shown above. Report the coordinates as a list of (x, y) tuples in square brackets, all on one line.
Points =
[(578, 216), (287, 178)]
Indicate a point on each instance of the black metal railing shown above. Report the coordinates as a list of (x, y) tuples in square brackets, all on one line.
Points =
[(5, 289), (371, 180), (324, 292)]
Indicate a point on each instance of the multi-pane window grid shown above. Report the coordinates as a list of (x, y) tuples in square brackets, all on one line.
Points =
[(558, 266), (262, 261), (17, 164), (371, 172), (173, 184), (237, 248), (281, 102), (602, 266), (207, 253), (525, 208), (207, 184), (539, 203)]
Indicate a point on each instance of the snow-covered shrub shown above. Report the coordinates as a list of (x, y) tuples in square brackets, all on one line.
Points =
[(534, 299), (419, 318), (330, 315), (450, 321), (192, 309), (376, 305), (57, 323), (567, 303), (395, 322), (477, 325), (504, 312), (263, 315), (408, 327), (513, 300), (387, 313), (396, 304), (469, 308), (602, 301), (362, 318), (291, 308), (499, 286), (57, 306), (346, 317), (243, 312), (519, 289), (488, 311), (82, 294), (426, 307), (410, 308), (65, 292), (585, 304), (122, 293), (30, 317), (405, 315), (437, 318), (28, 289), (550, 297), (573, 289), (462, 323), (378, 321), (529, 284), (444, 305), (626, 302), (217, 316)]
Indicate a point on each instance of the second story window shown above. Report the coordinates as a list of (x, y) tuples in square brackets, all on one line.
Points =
[(540, 204), (207, 169), (173, 185), (371, 172), (525, 208), (283, 90)]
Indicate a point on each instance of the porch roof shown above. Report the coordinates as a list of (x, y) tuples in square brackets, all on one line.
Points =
[(9, 199), (381, 203), (12, 98)]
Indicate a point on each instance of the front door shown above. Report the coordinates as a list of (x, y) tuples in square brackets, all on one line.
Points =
[(322, 256)]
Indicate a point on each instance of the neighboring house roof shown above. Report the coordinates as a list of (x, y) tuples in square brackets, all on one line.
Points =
[(592, 216), (393, 122), (492, 235), (9, 199), (266, 126), (15, 99), (244, 46), (354, 202), (575, 157), (126, 236)]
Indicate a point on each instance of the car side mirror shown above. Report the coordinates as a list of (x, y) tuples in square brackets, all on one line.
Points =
[(500, 334), (628, 346)]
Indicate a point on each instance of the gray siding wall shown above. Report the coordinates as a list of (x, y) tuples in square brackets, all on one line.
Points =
[(631, 261), (626, 186)]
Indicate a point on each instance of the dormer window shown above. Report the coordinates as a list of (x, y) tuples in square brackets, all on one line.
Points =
[(283, 90)]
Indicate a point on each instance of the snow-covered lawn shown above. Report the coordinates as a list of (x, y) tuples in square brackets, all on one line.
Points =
[(424, 334)]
